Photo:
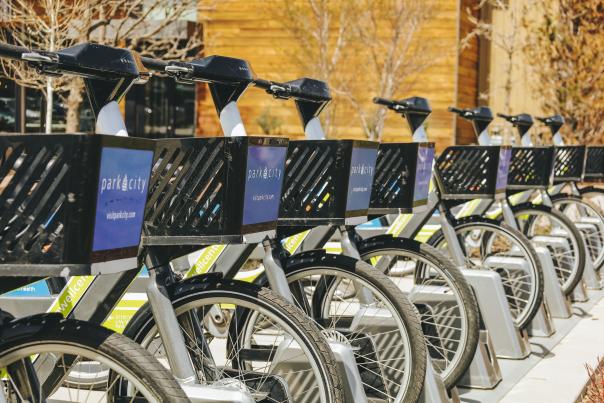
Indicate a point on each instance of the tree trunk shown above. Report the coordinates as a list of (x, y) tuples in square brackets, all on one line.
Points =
[(49, 102), (73, 104)]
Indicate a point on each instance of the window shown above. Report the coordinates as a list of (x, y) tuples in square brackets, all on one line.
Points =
[(8, 106), (161, 108)]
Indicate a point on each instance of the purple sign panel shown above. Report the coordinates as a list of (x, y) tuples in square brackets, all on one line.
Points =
[(423, 173), (362, 169), (264, 179), (505, 154), (121, 198)]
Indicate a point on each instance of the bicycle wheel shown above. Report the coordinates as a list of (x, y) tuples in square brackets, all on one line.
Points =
[(535, 220), (280, 355), (591, 221), (491, 245), (356, 304), (449, 311), (595, 195), (45, 344)]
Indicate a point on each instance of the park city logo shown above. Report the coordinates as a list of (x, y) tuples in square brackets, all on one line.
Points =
[(361, 169), (264, 173), (124, 183)]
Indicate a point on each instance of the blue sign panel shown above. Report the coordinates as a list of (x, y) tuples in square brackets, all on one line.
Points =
[(505, 154), (37, 289), (264, 179), (423, 173), (121, 198), (362, 169)]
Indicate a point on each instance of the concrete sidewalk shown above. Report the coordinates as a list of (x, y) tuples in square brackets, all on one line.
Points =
[(561, 375), (555, 371)]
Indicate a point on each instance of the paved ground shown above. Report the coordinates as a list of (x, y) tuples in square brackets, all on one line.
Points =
[(555, 371)]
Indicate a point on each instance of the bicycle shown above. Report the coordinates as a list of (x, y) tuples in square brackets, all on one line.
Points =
[(47, 178)]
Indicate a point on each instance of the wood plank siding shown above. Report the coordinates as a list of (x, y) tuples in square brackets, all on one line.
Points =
[(467, 74), (248, 29)]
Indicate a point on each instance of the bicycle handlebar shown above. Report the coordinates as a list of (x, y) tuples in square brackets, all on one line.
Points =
[(383, 101), (301, 90), (12, 51), (154, 64)]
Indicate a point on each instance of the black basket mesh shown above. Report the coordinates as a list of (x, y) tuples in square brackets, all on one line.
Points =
[(200, 188), (71, 201), (594, 164), (473, 172), (402, 178), (316, 190), (531, 168), (569, 163)]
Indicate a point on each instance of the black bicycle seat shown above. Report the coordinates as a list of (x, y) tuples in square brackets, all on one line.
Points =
[(482, 113), (521, 119), (302, 89), (554, 122), (523, 122), (215, 69), (417, 105), (99, 62)]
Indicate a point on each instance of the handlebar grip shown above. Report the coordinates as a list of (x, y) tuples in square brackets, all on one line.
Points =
[(382, 101), (455, 110), (154, 64), (264, 84), (11, 51)]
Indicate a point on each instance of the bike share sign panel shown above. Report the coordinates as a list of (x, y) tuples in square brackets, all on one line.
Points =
[(362, 168), (121, 197), (423, 173), (505, 155), (264, 179)]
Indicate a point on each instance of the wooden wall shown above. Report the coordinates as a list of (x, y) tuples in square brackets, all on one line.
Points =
[(247, 29), (467, 73)]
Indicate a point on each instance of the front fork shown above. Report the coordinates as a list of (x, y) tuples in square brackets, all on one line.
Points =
[(169, 329), (350, 248)]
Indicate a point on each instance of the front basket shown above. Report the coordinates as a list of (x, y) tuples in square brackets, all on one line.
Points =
[(473, 172), (402, 179), (531, 168), (327, 182), (569, 164), (71, 204), (214, 190), (594, 164)]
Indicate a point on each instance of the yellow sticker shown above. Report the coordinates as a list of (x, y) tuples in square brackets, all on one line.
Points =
[(292, 243), (71, 294), (206, 260)]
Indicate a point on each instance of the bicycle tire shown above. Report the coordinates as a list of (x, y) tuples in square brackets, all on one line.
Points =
[(212, 286), (381, 245), (533, 210), (563, 198), (537, 295), (309, 262), (40, 332)]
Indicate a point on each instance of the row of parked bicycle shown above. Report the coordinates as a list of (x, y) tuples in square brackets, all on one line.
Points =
[(443, 264)]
